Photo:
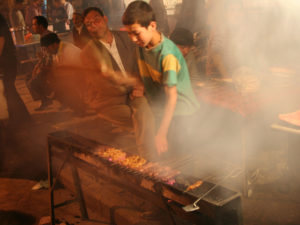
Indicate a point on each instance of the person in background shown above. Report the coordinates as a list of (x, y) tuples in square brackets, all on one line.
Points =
[(104, 4), (59, 17), (160, 15), (16, 16), (64, 53), (183, 38), (166, 79), (63, 78), (81, 36), (192, 15), (37, 83), (112, 53), (69, 10), (17, 110), (32, 10)]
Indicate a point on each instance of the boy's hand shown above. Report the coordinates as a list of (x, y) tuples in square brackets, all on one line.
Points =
[(161, 143), (138, 91)]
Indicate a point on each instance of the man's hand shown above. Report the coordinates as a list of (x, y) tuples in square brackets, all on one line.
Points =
[(138, 91)]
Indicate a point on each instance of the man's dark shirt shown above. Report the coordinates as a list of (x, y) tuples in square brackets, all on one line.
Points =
[(8, 55)]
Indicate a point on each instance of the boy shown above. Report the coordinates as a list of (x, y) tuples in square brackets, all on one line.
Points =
[(183, 39), (164, 74)]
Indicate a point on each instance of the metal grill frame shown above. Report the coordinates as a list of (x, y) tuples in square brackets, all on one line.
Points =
[(60, 145)]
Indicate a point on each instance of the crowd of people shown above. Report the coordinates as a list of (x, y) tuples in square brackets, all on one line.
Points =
[(139, 77)]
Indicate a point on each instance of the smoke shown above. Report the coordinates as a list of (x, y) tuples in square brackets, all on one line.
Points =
[(258, 44)]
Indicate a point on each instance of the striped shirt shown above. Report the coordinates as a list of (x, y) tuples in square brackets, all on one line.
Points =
[(164, 65)]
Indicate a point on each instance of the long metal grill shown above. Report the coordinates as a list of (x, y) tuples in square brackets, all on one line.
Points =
[(83, 151)]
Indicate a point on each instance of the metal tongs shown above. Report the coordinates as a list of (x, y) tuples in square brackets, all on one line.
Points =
[(193, 207)]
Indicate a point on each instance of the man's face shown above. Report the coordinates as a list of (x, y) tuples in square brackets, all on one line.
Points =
[(77, 20), (52, 49), (141, 36), (184, 49), (96, 24), (35, 27)]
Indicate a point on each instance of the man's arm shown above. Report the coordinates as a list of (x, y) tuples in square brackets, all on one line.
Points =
[(161, 142), (2, 41)]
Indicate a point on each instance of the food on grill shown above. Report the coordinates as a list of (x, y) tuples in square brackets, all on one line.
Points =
[(165, 173), (112, 154), (134, 162), (194, 185)]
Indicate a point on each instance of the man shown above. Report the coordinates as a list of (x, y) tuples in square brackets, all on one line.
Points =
[(69, 10), (63, 78), (37, 83), (59, 17), (16, 16), (81, 35), (32, 10), (113, 54), (8, 64), (183, 39), (63, 53)]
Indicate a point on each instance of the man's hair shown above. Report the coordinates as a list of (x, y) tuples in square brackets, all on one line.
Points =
[(49, 39), (138, 12), (77, 13), (88, 10), (182, 36), (41, 20)]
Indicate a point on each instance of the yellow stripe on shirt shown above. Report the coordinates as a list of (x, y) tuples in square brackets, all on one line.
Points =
[(147, 71), (170, 62)]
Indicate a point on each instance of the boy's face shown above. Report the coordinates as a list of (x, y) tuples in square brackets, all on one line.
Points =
[(96, 24), (141, 36)]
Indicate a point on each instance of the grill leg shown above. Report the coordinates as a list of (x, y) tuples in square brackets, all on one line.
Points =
[(79, 194), (51, 188), (158, 189)]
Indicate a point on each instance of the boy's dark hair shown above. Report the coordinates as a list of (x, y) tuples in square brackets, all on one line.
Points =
[(182, 36), (49, 39), (41, 20), (97, 9), (138, 12)]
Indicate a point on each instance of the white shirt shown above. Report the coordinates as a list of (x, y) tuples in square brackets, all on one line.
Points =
[(79, 29), (112, 48), (69, 10), (67, 55)]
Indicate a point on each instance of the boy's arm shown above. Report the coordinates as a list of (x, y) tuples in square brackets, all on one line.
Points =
[(161, 142)]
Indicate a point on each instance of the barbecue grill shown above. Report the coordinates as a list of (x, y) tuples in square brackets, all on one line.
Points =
[(209, 199)]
